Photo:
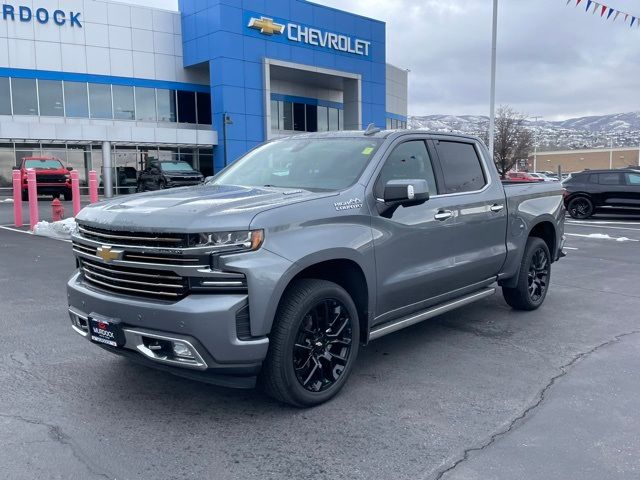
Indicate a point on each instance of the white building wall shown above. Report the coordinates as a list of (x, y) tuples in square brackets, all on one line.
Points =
[(397, 90)]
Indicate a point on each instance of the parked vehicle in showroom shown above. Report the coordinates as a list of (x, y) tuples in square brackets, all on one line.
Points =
[(52, 177), (124, 180), (161, 174), (522, 177), (288, 261), (593, 191)]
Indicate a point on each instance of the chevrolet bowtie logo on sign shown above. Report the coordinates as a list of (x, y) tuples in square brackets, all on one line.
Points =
[(294, 32), (266, 26), (108, 255)]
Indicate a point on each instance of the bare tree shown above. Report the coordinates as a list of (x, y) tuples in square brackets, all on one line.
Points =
[(512, 140)]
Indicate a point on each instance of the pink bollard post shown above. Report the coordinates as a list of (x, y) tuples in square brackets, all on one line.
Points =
[(75, 192), (93, 186), (17, 198), (33, 198)]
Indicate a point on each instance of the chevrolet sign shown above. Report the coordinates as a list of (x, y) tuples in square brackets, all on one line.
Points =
[(311, 36)]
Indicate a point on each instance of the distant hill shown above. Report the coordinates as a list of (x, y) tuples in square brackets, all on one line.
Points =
[(574, 133)]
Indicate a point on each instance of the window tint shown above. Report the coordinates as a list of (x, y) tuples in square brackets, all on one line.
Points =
[(204, 108), (50, 93), (299, 124), (76, 100), (408, 161), (287, 116), (592, 178), (123, 102), (100, 100), (145, 104), (460, 166), (25, 98), (633, 179), (609, 179), (312, 118), (186, 107), (5, 97)]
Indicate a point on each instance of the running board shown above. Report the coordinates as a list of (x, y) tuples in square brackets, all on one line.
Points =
[(388, 328)]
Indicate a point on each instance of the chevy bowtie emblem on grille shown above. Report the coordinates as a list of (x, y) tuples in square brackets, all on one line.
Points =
[(108, 255), (266, 26)]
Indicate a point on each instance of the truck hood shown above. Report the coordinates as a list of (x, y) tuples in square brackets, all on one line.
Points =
[(192, 209)]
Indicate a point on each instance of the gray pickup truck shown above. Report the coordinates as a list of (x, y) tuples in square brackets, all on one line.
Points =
[(279, 269)]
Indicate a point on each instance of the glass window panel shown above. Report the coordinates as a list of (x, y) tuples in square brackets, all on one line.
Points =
[(76, 100), (100, 100), (409, 161), (388, 124), (312, 118), (323, 119), (50, 94), (186, 107), (166, 105), (298, 117), (461, 167), (146, 104), (7, 162), (334, 122), (274, 116), (341, 118), (25, 98), (123, 104), (204, 108), (287, 116), (5, 96)]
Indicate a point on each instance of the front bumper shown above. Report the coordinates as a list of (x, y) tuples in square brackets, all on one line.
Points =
[(206, 322)]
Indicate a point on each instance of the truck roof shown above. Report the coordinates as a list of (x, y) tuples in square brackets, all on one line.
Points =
[(384, 134)]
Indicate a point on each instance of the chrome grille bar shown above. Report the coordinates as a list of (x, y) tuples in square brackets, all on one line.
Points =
[(136, 274), (88, 271), (131, 238), (133, 290)]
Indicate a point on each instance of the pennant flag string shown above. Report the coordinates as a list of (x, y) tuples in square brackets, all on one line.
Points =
[(609, 11)]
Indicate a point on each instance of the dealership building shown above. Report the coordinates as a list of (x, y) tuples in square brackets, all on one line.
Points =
[(102, 83)]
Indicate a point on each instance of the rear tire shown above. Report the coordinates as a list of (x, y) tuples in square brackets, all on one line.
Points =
[(533, 278), (580, 208), (313, 344)]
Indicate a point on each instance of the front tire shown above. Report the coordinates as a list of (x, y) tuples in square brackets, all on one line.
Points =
[(313, 345), (68, 196), (533, 278), (580, 208)]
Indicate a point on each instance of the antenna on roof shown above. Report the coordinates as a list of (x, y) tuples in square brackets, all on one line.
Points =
[(372, 130)]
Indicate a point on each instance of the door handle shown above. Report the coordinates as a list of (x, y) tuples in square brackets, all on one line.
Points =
[(443, 215), (497, 208)]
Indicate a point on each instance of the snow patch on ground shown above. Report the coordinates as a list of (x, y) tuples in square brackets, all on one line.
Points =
[(603, 236), (61, 229), (6, 200)]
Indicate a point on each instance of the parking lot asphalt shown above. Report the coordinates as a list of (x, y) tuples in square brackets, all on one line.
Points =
[(479, 393)]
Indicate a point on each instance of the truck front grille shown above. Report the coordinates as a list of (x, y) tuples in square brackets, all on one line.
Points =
[(50, 178), (132, 281), (138, 239)]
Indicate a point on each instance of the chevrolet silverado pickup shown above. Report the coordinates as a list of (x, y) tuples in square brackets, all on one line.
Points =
[(280, 268), (52, 177)]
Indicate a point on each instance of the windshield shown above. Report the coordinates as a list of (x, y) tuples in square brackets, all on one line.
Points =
[(322, 164), (50, 164), (175, 166)]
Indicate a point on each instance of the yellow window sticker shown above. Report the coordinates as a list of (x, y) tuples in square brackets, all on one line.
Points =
[(367, 151)]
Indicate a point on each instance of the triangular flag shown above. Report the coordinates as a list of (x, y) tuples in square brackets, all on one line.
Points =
[(589, 2), (633, 20), (617, 15), (568, 2), (578, 2), (595, 7), (611, 10), (603, 11), (626, 17)]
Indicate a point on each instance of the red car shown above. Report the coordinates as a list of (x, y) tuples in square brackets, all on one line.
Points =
[(521, 177), (52, 177)]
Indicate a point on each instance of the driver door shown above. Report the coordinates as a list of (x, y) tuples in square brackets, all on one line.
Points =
[(415, 260)]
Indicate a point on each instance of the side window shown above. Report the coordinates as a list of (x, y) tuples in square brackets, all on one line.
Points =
[(408, 161), (593, 178), (609, 179), (461, 167), (633, 179)]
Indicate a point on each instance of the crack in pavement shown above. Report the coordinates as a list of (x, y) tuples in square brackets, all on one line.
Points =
[(57, 435), (541, 396)]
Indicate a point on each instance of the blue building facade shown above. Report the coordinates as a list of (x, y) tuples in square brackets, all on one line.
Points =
[(307, 43)]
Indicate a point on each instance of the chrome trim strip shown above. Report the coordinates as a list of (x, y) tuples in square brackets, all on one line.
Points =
[(125, 263), (134, 282), (430, 313), (146, 275), (134, 342), (128, 255), (126, 289), (129, 238), (229, 283)]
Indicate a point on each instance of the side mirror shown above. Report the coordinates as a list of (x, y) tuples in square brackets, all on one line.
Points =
[(70, 168), (15, 168), (406, 193)]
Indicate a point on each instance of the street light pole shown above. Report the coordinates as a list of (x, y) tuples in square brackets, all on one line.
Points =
[(492, 113)]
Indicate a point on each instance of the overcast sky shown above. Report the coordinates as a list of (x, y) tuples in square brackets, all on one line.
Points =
[(553, 60)]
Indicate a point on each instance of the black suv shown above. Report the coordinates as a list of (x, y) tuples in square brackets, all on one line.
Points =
[(167, 174), (592, 191)]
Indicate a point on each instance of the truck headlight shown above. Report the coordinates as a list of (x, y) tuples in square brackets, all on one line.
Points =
[(246, 240)]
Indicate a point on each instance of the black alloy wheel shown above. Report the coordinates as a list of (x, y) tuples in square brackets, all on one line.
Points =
[(538, 275), (323, 345), (580, 208)]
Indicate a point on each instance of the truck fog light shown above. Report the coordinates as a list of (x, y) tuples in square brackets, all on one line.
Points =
[(182, 350)]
